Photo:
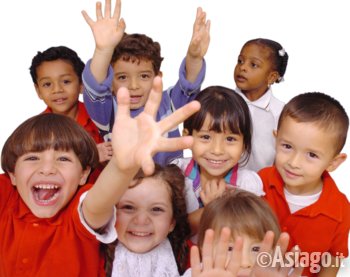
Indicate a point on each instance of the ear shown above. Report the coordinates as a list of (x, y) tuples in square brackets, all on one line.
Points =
[(274, 132), (84, 176), (160, 74), (172, 225), (81, 89), (185, 132), (12, 178), (273, 76), (38, 91), (337, 161)]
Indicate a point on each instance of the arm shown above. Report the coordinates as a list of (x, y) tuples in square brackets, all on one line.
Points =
[(332, 269), (198, 46), (108, 30), (135, 140)]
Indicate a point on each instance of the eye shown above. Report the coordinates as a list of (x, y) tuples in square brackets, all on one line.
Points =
[(64, 159), (255, 248), (157, 209), (121, 77), (286, 146), (313, 155), (254, 65), (231, 139), (204, 137), (127, 207), (145, 76), (66, 82), (240, 61), (46, 84), (31, 158)]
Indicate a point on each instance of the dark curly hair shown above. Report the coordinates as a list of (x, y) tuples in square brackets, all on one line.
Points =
[(53, 54), (174, 178), (137, 47)]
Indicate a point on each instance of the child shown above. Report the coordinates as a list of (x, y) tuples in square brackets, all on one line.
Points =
[(261, 63), (133, 61), (49, 226), (56, 74), (246, 217), (311, 133), (149, 230), (221, 133)]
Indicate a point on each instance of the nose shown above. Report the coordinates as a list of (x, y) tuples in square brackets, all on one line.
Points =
[(47, 167), (141, 218), (217, 147), (246, 261), (294, 160), (133, 85), (57, 87)]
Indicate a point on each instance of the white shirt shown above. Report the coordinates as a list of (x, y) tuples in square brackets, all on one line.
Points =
[(264, 112)]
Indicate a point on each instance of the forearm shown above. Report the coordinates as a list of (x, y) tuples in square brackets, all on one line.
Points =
[(100, 63), (193, 67), (105, 194)]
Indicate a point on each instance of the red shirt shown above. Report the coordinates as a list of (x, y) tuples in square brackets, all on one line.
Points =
[(85, 121), (321, 227), (58, 246)]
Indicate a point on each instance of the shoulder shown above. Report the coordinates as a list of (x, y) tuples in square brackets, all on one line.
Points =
[(249, 180), (182, 163)]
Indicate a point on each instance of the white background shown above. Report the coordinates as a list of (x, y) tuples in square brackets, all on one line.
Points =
[(314, 33)]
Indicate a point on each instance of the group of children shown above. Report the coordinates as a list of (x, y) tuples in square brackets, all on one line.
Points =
[(257, 179)]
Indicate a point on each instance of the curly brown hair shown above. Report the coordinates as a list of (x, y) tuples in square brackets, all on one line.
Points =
[(137, 47), (174, 178)]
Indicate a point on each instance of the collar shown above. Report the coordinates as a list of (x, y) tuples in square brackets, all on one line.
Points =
[(324, 205), (82, 116), (192, 172), (262, 103)]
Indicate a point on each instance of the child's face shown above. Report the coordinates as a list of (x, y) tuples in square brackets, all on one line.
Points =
[(303, 152), (253, 72), (145, 215), (137, 77), (59, 87), (216, 153), (251, 248), (47, 180)]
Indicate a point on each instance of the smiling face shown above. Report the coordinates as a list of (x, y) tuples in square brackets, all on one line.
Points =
[(216, 153), (143, 225), (254, 71), (58, 86), (47, 180), (303, 152), (137, 77)]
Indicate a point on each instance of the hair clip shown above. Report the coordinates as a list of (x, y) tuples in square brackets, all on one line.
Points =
[(281, 52)]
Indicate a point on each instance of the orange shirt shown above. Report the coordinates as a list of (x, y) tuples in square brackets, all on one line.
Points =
[(84, 120), (321, 227), (58, 246)]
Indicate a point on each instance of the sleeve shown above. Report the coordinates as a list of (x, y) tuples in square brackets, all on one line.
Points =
[(109, 235), (99, 99), (184, 92), (339, 246), (250, 181), (6, 190)]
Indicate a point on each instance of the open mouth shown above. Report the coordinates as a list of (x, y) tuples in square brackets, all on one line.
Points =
[(59, 100), (139, 234), (45, 195), (135, 99)]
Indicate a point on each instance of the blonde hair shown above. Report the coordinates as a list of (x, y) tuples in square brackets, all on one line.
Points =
[(243, 212)]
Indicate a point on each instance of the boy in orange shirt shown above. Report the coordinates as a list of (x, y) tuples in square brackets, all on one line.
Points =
[(57, 77), (311, 133), (50, 223)]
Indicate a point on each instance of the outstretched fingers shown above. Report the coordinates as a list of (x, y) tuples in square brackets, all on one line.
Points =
[(155, 97)]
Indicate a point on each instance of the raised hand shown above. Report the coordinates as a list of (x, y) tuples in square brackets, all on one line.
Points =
[(200, 36), (108, 29), (221, 264), (105, 151), (136, 140)]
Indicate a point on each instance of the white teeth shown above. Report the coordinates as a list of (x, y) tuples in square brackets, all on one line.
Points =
[(216, 161), (140, 234), (47, 186)]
